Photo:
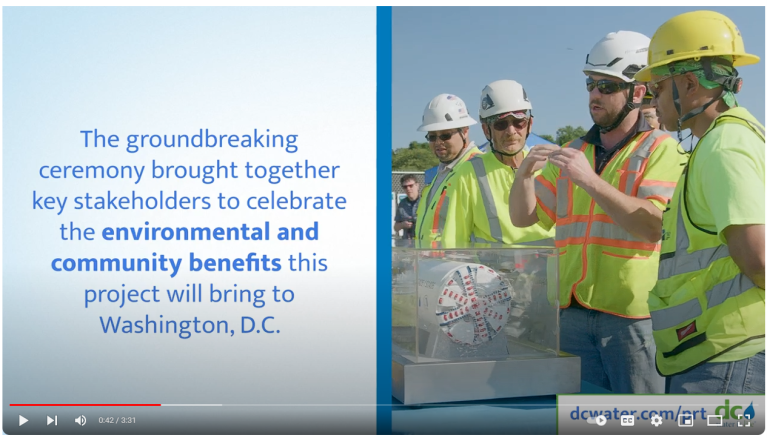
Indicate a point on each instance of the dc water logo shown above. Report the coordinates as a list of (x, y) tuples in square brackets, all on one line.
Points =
[(727, 412)]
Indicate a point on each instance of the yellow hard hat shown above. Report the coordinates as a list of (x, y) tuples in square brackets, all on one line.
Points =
[(693, 35)]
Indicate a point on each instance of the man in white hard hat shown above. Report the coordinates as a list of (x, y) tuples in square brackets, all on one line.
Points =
[(446, 121), (479, 190), (606, 192)]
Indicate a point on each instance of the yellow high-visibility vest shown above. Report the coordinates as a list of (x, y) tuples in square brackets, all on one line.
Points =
[(702, 305), (601, 264), (479, 206), (432, 211)]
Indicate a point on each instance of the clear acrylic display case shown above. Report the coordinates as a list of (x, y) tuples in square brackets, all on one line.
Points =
[(485, 308)]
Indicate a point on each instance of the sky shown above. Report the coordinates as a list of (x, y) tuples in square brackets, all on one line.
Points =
[(460, 50)]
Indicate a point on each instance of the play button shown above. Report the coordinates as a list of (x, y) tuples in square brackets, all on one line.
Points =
[(22, 420)]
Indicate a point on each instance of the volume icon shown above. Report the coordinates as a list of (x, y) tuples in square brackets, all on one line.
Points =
[(80, 420)]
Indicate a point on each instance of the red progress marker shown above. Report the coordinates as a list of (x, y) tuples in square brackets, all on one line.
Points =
[(84, 404)]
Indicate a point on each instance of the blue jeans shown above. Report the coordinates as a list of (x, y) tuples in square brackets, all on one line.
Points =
[(740, 377), (616, 353)]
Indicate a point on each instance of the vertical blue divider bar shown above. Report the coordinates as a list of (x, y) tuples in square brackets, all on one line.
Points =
[(383, 217)]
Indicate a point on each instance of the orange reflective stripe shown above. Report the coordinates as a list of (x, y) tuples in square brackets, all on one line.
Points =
[(643, 246), (631, 167), (602, 218), (576, 144), (546, 210), (546, 184), (435, 223), (572, 219), (660, 190), (472, 155), (655, 182), (546, 196), (584, 258), (633, 170), (632, 164)]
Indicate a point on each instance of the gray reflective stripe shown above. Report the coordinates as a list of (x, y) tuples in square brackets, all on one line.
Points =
[(575, 144), (728, 289), (487, 198), (563, 196), (563, 185), (681, 313), (611, 231), (675, 315), (756, 126), (430, 194), (684, 263), (639, 156), (545, 195), (645, 191), (603, 230), (577, 229), (443, 214), (682, 239)]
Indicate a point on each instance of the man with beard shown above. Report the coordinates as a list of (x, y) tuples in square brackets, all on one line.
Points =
[(605, 192), (708, 304), (479, 190), (446, 120)]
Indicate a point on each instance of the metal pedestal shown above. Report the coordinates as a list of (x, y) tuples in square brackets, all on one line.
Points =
[(452, 381)]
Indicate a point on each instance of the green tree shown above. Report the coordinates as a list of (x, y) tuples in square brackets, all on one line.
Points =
[(416, 157), (548, 137), (568, 133)]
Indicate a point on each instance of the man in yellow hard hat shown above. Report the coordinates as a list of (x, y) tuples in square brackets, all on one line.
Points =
[(708, 304)]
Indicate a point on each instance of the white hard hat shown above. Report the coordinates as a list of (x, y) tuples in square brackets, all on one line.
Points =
[(502, 97), (620, 54), (445, 111)]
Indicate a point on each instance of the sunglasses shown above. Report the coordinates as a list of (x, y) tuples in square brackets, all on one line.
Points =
[(502, 124), (606, 86), (408, 186), (444, 137), (652, 87)]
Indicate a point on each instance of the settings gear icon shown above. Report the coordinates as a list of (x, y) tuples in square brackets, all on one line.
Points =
[(656, 420)]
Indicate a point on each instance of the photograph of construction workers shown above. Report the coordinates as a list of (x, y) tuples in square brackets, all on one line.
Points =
[(656, 208)]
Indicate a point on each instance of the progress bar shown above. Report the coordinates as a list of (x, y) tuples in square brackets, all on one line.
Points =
[(85, 404)]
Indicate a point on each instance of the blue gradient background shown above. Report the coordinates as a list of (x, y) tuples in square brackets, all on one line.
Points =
[(304, 71)]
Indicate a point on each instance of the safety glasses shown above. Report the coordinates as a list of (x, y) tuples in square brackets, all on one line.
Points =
[(606, 86), (444, 137), (502, 124), (652, 87)]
